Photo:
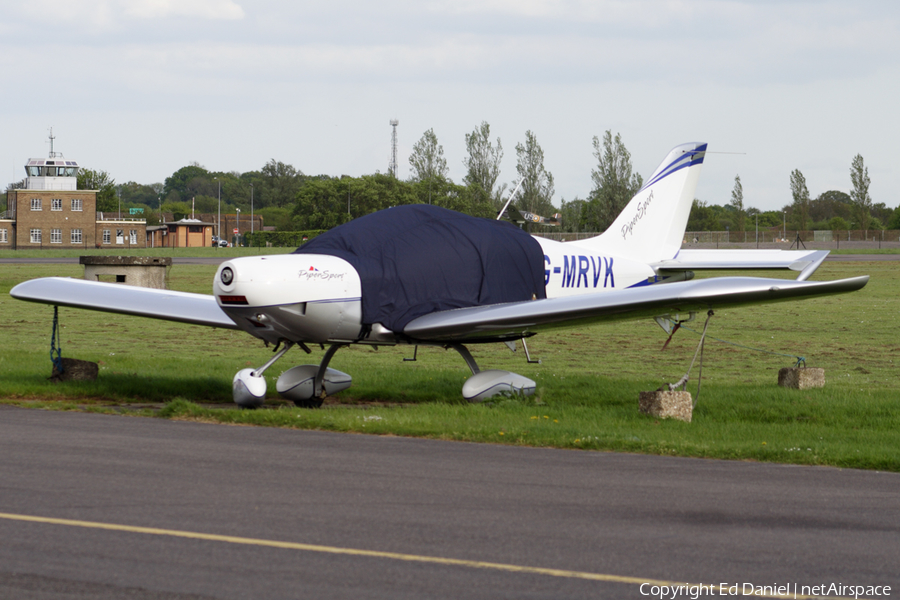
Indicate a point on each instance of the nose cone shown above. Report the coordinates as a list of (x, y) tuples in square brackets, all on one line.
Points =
[(298, 297), (285, 279)]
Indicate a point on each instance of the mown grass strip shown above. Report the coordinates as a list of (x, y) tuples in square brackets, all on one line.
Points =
[(588, 381)]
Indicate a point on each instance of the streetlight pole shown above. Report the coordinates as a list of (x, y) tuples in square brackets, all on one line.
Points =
[(219, 224), (237, 224), (783, 225), (251, 213)]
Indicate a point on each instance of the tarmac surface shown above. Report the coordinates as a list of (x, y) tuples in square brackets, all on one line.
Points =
[(250, 512)]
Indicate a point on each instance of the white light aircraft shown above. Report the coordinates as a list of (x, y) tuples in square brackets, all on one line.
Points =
[(421, 275)]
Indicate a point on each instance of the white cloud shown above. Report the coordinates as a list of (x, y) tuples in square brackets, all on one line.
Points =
[(203, 9), (102, 15)]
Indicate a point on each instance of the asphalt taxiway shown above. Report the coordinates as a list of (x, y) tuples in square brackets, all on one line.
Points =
[(98, 506)]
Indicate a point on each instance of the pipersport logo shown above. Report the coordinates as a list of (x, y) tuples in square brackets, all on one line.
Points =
[(639, 214), (315, 274)]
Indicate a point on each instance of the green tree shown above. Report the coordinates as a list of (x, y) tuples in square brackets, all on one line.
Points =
[(274, 216), (446, 194), (704, 217), (614, 183), (187, 182), (321, 204), (137, 193), (427, 158), (179, 210), (483, 163), (862, 201), (737, 203), (536, 194), (893, 221), (324, 203), (801, 199), (838, 223), (572, 215), (770, 218), (827, 205), (89, 179), (881, 213), (428, 165), (280, 184)]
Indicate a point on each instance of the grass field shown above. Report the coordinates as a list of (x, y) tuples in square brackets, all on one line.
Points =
[(588, 381), (191, 252)]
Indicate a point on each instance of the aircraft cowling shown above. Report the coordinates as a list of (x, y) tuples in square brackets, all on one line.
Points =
[(298, 297)]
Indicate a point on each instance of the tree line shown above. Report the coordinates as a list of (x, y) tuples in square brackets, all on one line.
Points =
[(291, 200), (834, 209)]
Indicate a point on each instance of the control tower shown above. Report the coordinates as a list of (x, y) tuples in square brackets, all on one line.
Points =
[(53, 173)]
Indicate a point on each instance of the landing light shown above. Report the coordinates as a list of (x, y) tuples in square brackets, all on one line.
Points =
[(239, 300)]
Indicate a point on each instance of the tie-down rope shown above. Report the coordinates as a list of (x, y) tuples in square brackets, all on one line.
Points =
[(683, 381), (678, 325)]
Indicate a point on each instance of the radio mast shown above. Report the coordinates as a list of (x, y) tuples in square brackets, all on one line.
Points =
[(392, 168)]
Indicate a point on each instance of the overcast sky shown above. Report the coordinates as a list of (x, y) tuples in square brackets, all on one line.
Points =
[(140, 88)]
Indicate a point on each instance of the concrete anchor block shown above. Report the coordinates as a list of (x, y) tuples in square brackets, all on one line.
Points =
[(667, 405), (76, 370), (801, 378)]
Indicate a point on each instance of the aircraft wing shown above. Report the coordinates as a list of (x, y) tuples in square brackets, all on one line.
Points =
[(515, 318), (797, 260), (514, 215), (197, 309)]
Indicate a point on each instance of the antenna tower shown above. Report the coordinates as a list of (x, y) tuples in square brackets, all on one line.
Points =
[(392, 168), (52, 153)]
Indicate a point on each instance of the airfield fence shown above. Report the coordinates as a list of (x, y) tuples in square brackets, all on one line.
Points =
[(818, 239), (287, 239)]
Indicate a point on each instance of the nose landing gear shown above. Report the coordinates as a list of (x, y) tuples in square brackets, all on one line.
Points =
[(304, 385), (249, 386)]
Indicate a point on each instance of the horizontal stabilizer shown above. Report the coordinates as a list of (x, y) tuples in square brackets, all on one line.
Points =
[(697, 260), (197, 309), (516, 318)]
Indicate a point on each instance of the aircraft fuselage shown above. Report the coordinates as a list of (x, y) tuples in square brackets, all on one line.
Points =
[(314, 298)]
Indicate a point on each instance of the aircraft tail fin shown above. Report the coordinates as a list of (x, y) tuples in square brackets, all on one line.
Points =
[(651, 226)]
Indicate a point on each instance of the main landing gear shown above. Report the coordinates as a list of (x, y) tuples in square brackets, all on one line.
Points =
[(304, 385), (486, 384), (307, 385)]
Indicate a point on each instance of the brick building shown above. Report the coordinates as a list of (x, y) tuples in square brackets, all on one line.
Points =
[(188, 233), (51, 212)]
